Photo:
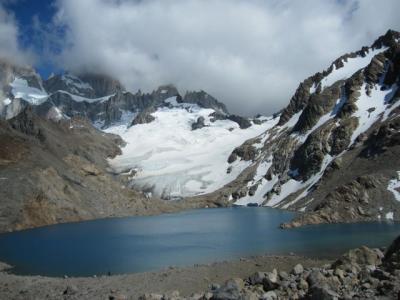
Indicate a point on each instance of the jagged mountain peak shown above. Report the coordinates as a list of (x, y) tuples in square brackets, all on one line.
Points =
[(312, 159), (340, 69), (88, 85), (389, 39), (203, 99)]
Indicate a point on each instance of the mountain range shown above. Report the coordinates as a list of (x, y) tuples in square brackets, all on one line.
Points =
[(81, 146)]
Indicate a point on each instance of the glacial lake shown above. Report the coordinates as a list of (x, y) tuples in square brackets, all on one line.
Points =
[(139, 244)]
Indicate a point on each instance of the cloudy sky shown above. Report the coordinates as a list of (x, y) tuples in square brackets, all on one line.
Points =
[(250, 54)]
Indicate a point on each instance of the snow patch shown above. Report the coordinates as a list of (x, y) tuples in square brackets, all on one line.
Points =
[(7, 101), (312, 180), (313, 88), (394, 185), (292, 121), (171, 101), (21, 89), (371, 107), (83, 99), (389, 216)]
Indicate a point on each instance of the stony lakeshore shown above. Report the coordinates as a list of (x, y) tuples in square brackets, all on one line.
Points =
[(361, 273)]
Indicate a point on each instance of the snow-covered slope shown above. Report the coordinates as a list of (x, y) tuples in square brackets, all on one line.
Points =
[(350, 66), (331, 135), (170, 159)]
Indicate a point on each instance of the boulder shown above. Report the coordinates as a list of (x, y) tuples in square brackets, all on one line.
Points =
[(393, 252), (356, 257), (242, 122), (270, 282), (70, 290), (199, 123), (298, 269), (144, 117), (257, 278), (230, 290), (270, 295), (315, 278), (321, 293)]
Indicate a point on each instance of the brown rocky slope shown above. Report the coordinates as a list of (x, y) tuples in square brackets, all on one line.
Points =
[(54, 172)]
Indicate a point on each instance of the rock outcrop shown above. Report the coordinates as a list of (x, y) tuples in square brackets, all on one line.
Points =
[(204, 100), (144, 117), (198, 124)]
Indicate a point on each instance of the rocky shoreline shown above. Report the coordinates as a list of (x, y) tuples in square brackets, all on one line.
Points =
[(187, 280), (361, 273)]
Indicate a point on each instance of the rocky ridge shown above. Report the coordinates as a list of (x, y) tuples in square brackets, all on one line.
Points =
[(332, 153)]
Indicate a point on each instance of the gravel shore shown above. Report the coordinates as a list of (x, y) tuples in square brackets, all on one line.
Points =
[(187, 280)]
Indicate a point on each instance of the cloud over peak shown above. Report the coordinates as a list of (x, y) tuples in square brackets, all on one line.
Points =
[(9, 45), (250, 54)]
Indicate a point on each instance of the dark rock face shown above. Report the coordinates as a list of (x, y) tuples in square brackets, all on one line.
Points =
[(144, 117), (309, 156), (341, 135), (204, 100), (243, 122), (385, 137), (70, 84), (387, 40), (318, 105), (198, 124), (25, 122), (246, 152), (215, 116), (297, 102), (103, 85)]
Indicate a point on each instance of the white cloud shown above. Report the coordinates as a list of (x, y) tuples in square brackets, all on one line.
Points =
[(9, 47), (250, 54)]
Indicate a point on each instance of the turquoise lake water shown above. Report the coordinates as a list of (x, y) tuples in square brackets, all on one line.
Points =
[(138, 244)]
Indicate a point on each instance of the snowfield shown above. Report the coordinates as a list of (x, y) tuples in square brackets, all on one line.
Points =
[(172, 160)]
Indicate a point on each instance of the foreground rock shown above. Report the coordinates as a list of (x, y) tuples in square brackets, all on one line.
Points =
[(361, 273), (151, 285)]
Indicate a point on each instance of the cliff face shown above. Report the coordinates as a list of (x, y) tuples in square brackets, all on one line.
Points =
[(333, 155)]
